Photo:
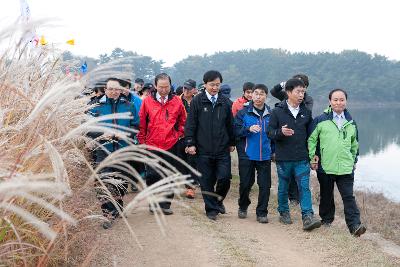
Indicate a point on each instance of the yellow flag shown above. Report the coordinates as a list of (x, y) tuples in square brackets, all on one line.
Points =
[(71, 42), (43, 40)]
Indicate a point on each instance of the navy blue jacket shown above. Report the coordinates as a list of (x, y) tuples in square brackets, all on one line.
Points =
[(253, 146), (110, 106), (290, 148)]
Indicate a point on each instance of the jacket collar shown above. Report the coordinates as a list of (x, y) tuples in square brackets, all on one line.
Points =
[(220, 99), (329, 112), (284, 106), (154, 95), (251, 109), (104, 99)]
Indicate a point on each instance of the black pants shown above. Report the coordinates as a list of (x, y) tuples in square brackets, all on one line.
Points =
[(152, 175), (247, 170), (215, 180), (344, 184), (293, 190), (189, 159), (117, 188)]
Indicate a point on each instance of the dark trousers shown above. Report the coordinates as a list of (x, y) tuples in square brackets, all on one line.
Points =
[(293, 190), (247, 170), (116, 186), (152, 176), (344, 184), (189, 159), (215, 180)]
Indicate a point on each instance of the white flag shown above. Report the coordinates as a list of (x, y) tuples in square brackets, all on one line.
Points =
[(25, 11), (29, 33)]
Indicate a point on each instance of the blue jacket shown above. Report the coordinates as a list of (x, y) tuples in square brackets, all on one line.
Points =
[(135, 99), (253, 146), (109, 106)]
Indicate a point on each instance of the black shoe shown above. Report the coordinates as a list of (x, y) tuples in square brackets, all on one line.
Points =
[(167, 211), (134, 188), (107, 224), (359, 230), (221, 208), (326, 224), (285, 218), (310, 223), (242, 214), (212, 216), (262, 219)]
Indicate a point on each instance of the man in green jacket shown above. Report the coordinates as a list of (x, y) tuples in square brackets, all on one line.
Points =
[(333, 151)]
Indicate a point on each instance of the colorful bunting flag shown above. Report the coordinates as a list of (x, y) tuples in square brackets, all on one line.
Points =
[(43, 40), (71, 42)]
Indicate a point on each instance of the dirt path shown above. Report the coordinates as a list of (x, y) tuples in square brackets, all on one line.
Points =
[(193, 240)]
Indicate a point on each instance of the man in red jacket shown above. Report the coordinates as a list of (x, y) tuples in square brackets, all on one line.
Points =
[(162, 121), (248, 88)]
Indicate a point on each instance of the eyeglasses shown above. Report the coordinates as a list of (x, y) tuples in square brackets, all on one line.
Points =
[(259, 94), (214, 84), (113, 89)]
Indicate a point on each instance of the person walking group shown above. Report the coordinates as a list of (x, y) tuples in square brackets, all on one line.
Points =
[(202, 127)]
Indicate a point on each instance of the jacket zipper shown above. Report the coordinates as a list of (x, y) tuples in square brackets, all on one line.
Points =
[(114, 110), (261, 123)]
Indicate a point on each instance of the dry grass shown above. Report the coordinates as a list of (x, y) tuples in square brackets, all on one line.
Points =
[(46, 181)]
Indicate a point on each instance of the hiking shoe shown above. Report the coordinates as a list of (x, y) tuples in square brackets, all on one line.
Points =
[(262, 219), (285, 218), (326, 224), (190, 193), (221, 208), (134, 188), (167, 211), (310, 223), (242, 214), (212, 216), (107, 224), (359, 230)]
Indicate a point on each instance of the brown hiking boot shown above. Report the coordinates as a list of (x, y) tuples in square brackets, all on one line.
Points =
[(359, 230)]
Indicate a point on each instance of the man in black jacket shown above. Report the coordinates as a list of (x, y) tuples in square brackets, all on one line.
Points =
[(209, 134), (288, 128), (279, 92)]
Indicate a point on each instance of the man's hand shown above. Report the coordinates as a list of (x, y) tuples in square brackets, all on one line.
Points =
[(314, 163), (255, 128), (190, 150), (287, 131), (231, 148)]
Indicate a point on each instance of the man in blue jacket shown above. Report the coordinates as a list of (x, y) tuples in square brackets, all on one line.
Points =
[(254, 150), (112, 103)]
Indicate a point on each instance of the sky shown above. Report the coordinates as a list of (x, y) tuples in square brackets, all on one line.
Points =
[(172, 30)]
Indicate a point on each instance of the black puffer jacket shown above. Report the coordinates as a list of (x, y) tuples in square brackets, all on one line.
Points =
[(290, 148), (210, 129)]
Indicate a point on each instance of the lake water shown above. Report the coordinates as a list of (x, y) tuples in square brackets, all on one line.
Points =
[(379, 161)]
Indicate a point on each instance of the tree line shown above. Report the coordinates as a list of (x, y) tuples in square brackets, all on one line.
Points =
[(366, 77)]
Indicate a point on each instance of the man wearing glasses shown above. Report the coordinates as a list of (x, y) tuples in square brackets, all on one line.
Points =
[(209, 135), (112, 103)]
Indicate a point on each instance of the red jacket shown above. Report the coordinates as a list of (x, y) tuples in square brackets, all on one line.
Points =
[(238, 105), (161, 125)]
